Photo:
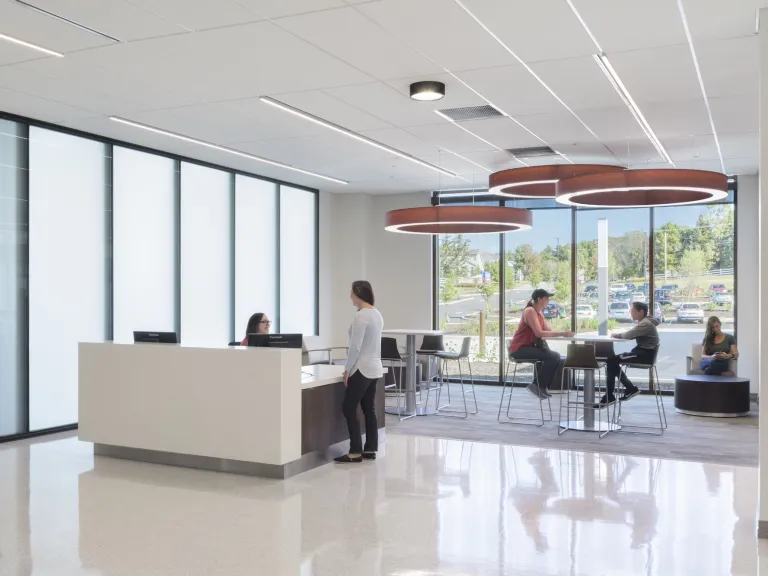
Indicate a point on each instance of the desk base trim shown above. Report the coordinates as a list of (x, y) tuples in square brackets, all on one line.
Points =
[(713, 414), (307, 462)]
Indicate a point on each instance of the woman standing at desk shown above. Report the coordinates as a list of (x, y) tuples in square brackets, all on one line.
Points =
[(257, 324), (362, 371)]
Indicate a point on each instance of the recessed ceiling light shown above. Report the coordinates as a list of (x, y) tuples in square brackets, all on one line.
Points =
[(30, 45), (427, 91), (223, 149)]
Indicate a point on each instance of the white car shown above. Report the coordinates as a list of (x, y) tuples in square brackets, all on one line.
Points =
[(722, 298), (638, 297), (585, 311), (618, 287), (620, 311), (690, 312)]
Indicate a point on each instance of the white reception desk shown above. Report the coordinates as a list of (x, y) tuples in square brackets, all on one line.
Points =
[(251, 411)]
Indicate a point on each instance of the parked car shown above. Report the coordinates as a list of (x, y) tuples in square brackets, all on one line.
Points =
[(722, 298), (671, 288), (593, 296), (618, 287), (630, 287), (619, 311), (663, 297), (657, 312), (690, 312), (585, 311), (623, 297), (554, 310), (718, 288), (644, 288), (590, 288), (638, 297)]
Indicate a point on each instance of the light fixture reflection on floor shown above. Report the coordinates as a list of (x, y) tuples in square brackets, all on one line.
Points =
[(458, 220), (427, 91), (539, 181), (642, 188)]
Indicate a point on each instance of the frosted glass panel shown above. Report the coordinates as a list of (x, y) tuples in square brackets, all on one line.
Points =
[(298, 263), (256, 275), (67, 267), (144, 252), (13, 277), (206, 263)]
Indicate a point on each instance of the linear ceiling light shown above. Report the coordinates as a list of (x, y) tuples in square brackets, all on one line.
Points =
[(621, 90), (223, 149), (341, 130), (67, 21), (466, 159), (701, 81), (30, 45)]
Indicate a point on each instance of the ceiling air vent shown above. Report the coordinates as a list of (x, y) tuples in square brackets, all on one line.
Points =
[(533, 152), (470, 113)]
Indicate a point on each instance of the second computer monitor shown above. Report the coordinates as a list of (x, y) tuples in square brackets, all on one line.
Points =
[(275, 340)]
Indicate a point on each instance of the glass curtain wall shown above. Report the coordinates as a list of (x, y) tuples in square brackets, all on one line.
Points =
[(14, 276)]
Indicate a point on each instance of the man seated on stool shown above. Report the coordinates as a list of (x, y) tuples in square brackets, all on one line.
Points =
[(647, 337)]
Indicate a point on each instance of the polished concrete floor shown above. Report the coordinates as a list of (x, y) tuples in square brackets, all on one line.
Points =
[(426, 507)]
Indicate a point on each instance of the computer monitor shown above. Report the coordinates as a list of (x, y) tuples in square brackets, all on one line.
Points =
[(275, 340), (156, 337)]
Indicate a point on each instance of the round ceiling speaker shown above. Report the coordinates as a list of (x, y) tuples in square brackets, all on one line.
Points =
[(427, 90), (642, 188), (458, 220), (539, 181)]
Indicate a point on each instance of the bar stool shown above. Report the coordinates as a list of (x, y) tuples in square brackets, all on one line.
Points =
[(504, 394), (391, 357), (444, 358), (581, 358), (652, 372), (431, 345)]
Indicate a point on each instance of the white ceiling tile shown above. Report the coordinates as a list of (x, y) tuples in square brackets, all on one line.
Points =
[(535, 31), (658, 74), (450, 136), (31, 26), (503, 132), (560, 126), (352, 37), (692, 148), (712, 165), (730, 67), (634, 152), (587, 153), (278, 8), (117, 18), (513, 89), (680, 118), (333, 110), (404, 141), (441, 30), (199, 14), (745, 145), (612, 123), (40, 108), (740, 166), (735, 114), (621, 25), (579, 82), (719, 19)]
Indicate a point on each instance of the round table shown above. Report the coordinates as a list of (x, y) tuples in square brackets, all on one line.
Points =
[(714, 396)]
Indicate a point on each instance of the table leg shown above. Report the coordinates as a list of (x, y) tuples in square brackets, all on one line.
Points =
[(410, 380), (589, 399)]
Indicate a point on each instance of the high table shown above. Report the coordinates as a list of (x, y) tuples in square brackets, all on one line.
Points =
[(588, 423), (410, 366)]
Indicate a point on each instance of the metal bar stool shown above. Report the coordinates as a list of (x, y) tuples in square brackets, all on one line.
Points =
[(504, 394), (430, 347), (391, 357), (653, 380), (581, 358), (444, 358)]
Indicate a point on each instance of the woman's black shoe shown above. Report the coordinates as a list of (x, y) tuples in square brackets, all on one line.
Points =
[(347, 459), (369, 455)]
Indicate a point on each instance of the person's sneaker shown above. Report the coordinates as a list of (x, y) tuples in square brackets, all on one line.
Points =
[(629, 394), (369, 455), (546, 393), (533, 389), (605, 401)]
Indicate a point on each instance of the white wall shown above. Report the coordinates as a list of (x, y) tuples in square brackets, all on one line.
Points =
[(762, 267), (748, 291)]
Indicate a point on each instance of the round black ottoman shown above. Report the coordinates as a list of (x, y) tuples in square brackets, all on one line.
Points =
[(715, 396)]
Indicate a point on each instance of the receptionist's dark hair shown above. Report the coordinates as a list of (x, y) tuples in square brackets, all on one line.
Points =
[(253, 323), (363, 290)]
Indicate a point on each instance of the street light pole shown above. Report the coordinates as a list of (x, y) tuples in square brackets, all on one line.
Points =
[(665, 255)]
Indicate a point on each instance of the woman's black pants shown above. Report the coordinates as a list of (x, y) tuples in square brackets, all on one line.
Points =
[(361, 390)]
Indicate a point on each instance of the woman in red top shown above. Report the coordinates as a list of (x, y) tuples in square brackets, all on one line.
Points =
[(523, 346), (257, 324)]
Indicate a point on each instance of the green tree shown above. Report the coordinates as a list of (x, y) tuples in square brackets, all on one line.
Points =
[(449, 293), (528, 262), (454, 256), (563, 283), (487, 290), (692, 265)]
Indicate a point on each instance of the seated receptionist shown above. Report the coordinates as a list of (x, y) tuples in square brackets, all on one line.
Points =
[(719, 348), (257, 324)]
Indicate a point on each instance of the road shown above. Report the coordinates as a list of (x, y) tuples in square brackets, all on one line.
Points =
[(470, 305)]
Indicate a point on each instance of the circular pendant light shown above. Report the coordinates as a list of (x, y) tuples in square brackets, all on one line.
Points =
[(539, 181), (642, 188), (458, 220), (427, 90)]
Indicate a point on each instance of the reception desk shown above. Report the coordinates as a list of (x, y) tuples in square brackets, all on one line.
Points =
[(242, 410)]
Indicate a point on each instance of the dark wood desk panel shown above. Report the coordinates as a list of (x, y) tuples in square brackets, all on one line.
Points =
[(322, 423)]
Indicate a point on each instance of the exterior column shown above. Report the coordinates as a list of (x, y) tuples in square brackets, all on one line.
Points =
[(762, 530)]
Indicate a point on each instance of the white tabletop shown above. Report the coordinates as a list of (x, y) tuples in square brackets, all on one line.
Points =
[(414, 332), (584, 338)]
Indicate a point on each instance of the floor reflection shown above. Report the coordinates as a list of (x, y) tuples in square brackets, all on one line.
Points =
[(427, 506)]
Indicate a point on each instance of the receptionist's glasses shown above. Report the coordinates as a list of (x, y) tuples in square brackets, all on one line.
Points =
[(267, 322)]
